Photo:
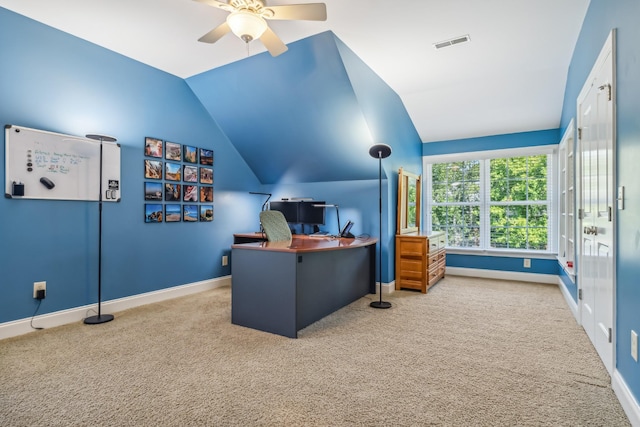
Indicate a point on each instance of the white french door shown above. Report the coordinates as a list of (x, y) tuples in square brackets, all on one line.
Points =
[(596, 259)]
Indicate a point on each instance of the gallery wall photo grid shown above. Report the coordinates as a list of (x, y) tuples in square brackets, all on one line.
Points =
[(178, 182)]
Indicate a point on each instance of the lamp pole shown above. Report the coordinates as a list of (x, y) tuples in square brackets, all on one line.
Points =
[(100, 318), (380, 151)]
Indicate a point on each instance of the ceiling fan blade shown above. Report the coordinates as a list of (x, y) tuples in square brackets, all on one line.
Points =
[(272, 42), (215, 34), (218, 4), (306, 12)]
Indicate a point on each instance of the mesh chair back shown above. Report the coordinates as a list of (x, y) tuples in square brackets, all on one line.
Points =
[(275, 226)]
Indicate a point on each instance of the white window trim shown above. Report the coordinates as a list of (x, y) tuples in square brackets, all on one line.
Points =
[(552, 181)]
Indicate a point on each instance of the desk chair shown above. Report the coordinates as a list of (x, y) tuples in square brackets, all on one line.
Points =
[(275, 226)]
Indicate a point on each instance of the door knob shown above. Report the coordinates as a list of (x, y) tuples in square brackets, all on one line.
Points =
[(591, 230)]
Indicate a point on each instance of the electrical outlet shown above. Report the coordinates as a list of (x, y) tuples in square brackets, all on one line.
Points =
[(225, 260), (39, 286), (527, 263), (634, 345)]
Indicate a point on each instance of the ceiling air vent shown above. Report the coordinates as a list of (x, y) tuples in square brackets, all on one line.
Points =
[(451, 42)]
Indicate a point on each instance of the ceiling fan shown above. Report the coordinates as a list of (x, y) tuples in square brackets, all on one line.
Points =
[(247, 20)]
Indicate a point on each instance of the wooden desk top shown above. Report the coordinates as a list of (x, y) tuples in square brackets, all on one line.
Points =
[(302, 243)]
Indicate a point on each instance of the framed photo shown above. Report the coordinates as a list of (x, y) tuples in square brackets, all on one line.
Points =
[(153, 169), (206, 193), (173, 151), (153, 147), (152, 212), (190, 193), (206, 157), (153, 191), (206, 175), (172, 171), (190, 213), (206, 213), (172, 213), (190, 173), (172, 192), (190, 154)]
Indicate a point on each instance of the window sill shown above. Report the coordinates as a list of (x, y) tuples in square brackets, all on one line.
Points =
[(503, 253)]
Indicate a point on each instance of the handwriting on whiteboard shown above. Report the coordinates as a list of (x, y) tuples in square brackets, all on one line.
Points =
[(55, 162)]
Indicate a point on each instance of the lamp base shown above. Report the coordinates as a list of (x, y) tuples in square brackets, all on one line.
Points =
[(96, 320), (380, 304)]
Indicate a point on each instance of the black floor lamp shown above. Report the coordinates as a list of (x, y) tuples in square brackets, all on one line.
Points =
[(380, 151), (100, 318)]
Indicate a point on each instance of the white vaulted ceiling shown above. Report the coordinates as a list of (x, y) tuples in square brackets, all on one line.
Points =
[(509, 78)]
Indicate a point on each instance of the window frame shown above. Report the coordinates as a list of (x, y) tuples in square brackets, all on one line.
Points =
[(485, 157)]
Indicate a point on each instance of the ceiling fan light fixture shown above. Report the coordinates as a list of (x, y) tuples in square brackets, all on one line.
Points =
[(246, 25)]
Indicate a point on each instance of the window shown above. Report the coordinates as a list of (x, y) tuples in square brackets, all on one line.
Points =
[(455, 206), (566, 220), (503, 202)]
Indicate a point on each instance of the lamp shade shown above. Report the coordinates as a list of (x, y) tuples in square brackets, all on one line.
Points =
[(246, 25), (380, 151)]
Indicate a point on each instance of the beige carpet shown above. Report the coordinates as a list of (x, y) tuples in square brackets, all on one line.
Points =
[(471, 352)]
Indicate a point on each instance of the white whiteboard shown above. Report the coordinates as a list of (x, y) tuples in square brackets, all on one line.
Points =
[(47, 165)]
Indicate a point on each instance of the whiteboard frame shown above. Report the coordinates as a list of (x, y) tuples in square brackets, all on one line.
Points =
[(111, 182)]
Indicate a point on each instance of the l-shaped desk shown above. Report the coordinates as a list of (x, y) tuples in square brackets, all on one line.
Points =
[(282, 287)]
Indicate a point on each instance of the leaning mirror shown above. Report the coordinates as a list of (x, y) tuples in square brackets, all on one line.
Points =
[(409, 200)]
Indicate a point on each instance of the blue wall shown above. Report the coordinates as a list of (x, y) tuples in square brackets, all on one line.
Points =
[(305, 123), (502, 263), (292, 116), (56, 82), (52, 81), (601, 18), (569, 284), (389, 123), (493, 142)]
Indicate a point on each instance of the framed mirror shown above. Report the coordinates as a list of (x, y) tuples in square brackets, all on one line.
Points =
[(409, 202)]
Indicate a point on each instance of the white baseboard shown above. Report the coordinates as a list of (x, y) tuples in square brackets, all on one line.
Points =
[(569, 300), (503, 275), (387, 288), (628, 402), (76, 314)]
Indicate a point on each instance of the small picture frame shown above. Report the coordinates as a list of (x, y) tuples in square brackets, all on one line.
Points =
[(206, 157), (172, 171), (153, 147), (172, 212), (173, 151), (190, 154), (172, 192), (206, 193), (153, 191), (190, 193), (190, 213), (153, 169), (206, 175), (152, 212), (190, 173), (206, 213)]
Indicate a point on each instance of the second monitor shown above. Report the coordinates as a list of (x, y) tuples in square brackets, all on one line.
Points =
[(302, 212)]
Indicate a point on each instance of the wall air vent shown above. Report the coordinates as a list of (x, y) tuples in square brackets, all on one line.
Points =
[(453, 41)]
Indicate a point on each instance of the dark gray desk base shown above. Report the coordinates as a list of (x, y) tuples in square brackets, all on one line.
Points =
[(283, 292)]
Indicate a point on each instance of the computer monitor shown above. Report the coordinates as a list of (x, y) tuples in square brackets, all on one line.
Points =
[(310, 214), (288, 209)]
